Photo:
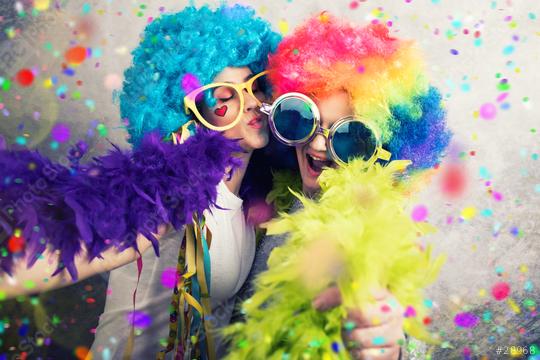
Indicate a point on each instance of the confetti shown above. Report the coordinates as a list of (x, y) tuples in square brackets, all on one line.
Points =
[(169, 278), (419, 213), (60, 132), (466, 320), (500, 291), (283, 27), (41, 5), (468, 213), (76, 55), (488, 111), (25, 77), (453, 181), (139, 319)]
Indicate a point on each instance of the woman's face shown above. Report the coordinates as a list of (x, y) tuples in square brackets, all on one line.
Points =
[(313, 156), (252, 129)]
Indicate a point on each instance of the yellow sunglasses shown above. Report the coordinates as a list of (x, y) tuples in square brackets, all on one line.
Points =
[(191, 99)]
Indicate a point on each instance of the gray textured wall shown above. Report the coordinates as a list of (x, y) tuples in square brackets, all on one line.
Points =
[(482, 250)]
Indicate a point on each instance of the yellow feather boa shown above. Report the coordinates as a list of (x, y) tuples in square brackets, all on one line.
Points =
[(356, 235)]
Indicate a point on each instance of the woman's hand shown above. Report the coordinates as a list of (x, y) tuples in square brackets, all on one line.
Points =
[(372, 333)]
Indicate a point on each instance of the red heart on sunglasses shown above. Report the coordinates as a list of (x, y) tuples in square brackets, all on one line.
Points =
[(221, 111)]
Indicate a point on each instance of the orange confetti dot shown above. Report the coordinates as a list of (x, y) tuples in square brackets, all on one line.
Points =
[(76, 55), (81, 353)]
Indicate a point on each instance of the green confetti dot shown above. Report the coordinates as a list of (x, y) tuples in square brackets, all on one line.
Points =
[(532, 16), (349, 326), (242, 344), (503, 86), (296, 51), (29, 284), (6, 85), (102, 129), (2, 295), (529, 303), (315, 343), (55, 320), (34, 301), (76, 95)]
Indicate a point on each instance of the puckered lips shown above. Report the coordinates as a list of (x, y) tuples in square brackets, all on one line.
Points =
[(257, 122)]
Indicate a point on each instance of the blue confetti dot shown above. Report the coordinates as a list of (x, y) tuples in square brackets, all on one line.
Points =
[(23, 330), (508, 50), (454, 52), (335, 347)]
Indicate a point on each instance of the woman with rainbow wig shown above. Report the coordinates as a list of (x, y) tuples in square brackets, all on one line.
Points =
[(344, 92), (190, 101)]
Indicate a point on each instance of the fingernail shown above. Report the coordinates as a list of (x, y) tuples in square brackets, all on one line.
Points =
[(318, 304)]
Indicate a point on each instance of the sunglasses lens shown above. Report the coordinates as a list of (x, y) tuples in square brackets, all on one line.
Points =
[(261, 88), (293, 119), (219, 105), (353, 139)]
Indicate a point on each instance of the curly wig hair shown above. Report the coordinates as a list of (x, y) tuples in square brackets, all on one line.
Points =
[(384, 77), (182, 51)]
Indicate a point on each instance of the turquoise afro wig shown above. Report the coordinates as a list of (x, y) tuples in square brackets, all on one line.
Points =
[(182, 51)]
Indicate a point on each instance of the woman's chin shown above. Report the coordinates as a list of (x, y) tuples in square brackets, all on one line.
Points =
[(254, 142)]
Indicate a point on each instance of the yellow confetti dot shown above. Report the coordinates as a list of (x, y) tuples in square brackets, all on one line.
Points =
[(41, 5), (523, 268), (283, 26), (324, 17), (375, 320), (262, 10), (482, 292), (468, 213), (515, 308), (474, 136), (476, 114), (47, 83)]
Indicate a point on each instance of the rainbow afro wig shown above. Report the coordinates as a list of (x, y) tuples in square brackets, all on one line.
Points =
[(182, 51), (383, 76)]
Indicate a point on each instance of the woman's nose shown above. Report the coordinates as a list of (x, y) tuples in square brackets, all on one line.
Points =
[(318, 143), (250, 103)]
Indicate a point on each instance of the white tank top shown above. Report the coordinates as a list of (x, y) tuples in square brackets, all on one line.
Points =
[(231, 253)]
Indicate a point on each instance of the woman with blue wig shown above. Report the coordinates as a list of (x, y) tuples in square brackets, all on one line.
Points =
[(196, 75)]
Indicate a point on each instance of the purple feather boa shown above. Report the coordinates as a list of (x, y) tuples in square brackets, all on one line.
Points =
[(108, 202)]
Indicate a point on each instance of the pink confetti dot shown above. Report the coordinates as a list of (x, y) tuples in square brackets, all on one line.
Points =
[(419, 213), (488, 111), (497, 196), (500, 291), (60, 132), (409, 312), (168, 277)]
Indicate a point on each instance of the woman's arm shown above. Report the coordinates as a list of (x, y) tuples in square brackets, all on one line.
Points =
[(38, 278)]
